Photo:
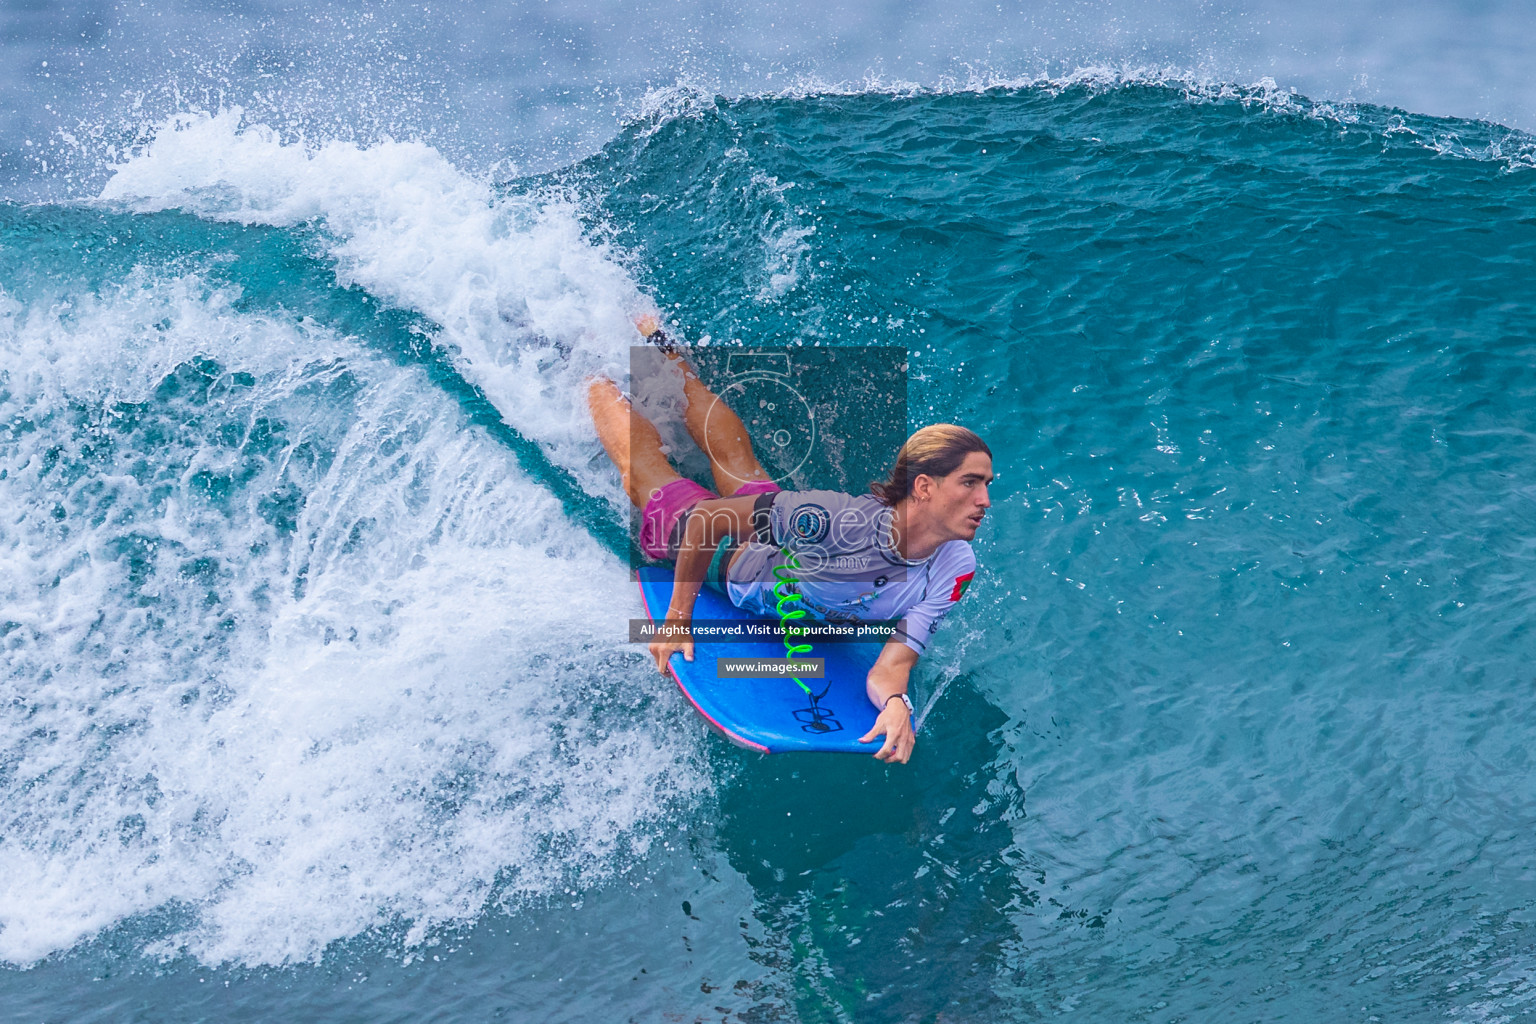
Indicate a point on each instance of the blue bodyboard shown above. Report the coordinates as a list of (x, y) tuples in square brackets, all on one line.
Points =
[(769, 715)]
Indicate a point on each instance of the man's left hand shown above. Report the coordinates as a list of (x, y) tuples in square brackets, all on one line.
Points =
[(895, 723)]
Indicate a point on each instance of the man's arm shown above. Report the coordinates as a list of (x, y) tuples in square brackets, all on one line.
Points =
[(888, 679), (709, 523)]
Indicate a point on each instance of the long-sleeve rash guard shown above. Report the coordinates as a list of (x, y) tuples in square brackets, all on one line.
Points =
[(849, 570)]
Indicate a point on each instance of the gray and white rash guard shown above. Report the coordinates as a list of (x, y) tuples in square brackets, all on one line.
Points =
[(849, 569)]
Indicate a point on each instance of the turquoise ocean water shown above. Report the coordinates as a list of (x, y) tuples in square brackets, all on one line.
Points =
[(315, 698)]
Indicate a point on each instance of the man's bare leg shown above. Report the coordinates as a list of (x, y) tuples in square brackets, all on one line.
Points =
[(630, 440), (721, 435), (716, 429)]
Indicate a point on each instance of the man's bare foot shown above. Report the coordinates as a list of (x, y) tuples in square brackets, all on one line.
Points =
[(650, 329)]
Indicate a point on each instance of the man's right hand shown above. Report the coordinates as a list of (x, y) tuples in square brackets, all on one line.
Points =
[(675, 640)]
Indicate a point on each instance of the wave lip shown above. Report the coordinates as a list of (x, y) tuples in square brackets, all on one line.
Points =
[(528, 305), (1472, 139)]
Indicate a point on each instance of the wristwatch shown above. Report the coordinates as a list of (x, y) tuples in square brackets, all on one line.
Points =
[(911, 711)]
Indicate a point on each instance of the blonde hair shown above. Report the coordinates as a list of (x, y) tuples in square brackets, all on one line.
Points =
[(936, 450)]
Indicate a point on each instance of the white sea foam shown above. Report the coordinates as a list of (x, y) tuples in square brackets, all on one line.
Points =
[(288, 652), (782, 236), (528, 305)]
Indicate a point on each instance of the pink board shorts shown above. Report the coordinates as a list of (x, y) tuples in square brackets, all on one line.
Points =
[(668, 504)]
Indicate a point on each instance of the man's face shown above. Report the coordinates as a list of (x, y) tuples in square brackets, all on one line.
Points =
[(960, 499)]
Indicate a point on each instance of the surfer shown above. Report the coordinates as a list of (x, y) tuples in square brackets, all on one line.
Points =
[(900, 552)]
